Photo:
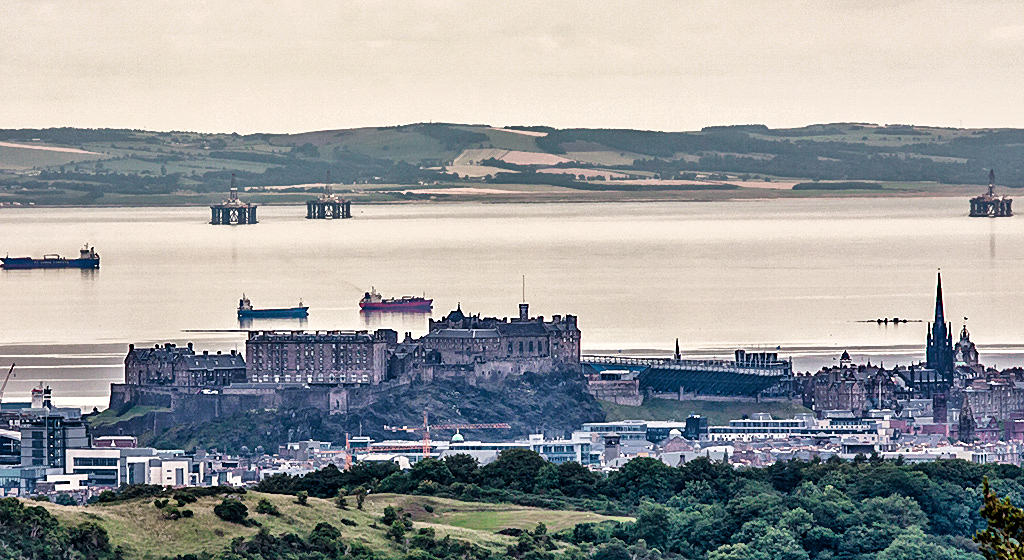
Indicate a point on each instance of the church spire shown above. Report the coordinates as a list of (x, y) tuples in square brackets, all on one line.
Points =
[(940, 316)]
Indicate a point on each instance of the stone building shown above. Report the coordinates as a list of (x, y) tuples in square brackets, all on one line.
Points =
[(856, 388), (321, 357), (521, 344), (964, 352), (171, 365)]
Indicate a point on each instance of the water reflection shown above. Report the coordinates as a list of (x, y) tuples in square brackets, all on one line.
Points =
[(401, 321), (272, 323)]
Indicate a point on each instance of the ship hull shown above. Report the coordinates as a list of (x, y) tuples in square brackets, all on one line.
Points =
[(28, 263), (290, 312), (417, 305)]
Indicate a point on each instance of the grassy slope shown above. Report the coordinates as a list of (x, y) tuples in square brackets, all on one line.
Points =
[(717, 412), (139, 526), (110, 416)]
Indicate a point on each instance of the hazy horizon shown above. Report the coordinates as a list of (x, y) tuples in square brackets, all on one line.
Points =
[(281, 67)]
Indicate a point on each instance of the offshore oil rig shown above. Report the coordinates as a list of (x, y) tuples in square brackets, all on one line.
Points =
[(989, 205), (233, 211), (328, 206)]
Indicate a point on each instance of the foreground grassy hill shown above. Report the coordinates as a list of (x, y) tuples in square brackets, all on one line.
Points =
[(438, 161), (140, 527)]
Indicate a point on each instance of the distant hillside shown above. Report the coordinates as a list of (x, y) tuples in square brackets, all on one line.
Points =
[(115, 166)]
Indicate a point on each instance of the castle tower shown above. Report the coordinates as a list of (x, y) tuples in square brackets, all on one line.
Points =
[(940, 340)]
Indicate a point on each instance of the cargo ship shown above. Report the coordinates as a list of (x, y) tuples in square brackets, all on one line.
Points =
[(88, 258), (246, 311), (372, 301)]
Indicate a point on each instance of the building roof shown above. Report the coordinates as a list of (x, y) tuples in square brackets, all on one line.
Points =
[(523, 328), (464, 333), (215, 361)]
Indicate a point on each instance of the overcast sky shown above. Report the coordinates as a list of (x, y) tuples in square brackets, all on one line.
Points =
[(295, 66)]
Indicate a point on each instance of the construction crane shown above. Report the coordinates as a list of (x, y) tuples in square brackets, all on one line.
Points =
[(425, 430), (3, 387)]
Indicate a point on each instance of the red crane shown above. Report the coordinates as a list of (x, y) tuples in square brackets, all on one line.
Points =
[(425, 429)]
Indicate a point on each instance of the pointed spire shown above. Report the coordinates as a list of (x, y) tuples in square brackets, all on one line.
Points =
[(940, 315), (678, 355)]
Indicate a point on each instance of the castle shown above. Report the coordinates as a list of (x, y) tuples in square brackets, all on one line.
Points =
[(338, 370)]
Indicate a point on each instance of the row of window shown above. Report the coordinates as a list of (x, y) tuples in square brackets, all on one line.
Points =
[(96, 461), (319, 378)]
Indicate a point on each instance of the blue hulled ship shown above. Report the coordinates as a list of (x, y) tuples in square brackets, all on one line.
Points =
[(246, 311), (87, 258)]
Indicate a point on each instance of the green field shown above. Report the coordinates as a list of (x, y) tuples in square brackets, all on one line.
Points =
[(140, 527), (717, 412), (110, 416)]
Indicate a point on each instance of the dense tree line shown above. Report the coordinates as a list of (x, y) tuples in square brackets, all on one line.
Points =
[(704, 509), (30, 532), (859, 510)]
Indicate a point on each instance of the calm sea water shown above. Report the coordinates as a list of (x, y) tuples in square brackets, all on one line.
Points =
[(793, 274)]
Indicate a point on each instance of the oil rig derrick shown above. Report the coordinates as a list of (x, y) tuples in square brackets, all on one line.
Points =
[(989, 205), (328, 206), (233, 211)]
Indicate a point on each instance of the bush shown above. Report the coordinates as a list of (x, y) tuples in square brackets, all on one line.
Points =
[(171, 512), (160, 504), (349, 522), (40, 498), (65, 500), (302, 498), (267, 507), (396, 531), (390, 516), (340, 502), (183, 498), (232, 511), (428, 508)]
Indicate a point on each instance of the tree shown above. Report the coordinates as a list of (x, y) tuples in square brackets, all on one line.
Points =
[(774, 544), (324, 538), (431, 469), (390, 515), (462, 466), (267, 507), (913, 544), (516, 469), (232, 511), (396, 531), (575, 480), (644, 477), (654, 524), (302, 498), (611, 551), (1003, 539)]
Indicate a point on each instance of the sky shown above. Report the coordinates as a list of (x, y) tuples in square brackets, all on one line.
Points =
[(296, 66)]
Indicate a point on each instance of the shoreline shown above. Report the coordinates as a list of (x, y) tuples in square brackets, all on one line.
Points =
[(537, 197)]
